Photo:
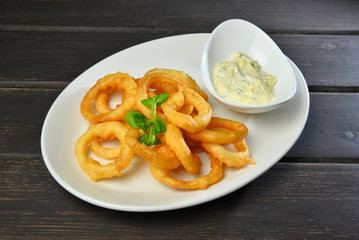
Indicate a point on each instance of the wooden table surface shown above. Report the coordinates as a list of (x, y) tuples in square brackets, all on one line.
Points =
[(311, 193)]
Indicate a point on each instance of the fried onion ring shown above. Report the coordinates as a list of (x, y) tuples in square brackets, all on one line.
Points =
[(121, 81), (93, 168), (215, 174), (104, 152), (220, 131), (163, 80), (187, 128), (101, 101), (178, 76), (231, 159), (174, 103), (151, 155), (174, 139)]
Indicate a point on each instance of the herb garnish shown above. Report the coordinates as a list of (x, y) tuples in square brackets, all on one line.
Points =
[(152, 126)]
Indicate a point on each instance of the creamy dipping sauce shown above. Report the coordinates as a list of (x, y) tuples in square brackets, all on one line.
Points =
[(241, 80)]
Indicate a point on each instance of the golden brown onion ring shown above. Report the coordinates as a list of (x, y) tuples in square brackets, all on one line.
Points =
[(175, 102), (122, 82), (220, 131), (231, 159), (174, 139), (93, 168), (101, 101), (160, 81), (151, 155), (215, 174), (178, 76), (104, 152)]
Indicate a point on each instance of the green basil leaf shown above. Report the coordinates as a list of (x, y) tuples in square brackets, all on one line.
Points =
[(146, 125), (154, 126), (161, 98), (159, 126), (146, 139), (149, 139), (156, 141), (134, 118), (137, 120), (149, 102), (158, 100)]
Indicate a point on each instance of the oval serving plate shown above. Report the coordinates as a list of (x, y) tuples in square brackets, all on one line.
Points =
[(271, 134)]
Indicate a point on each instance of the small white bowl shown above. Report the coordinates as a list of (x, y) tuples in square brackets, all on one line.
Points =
[(236, 35)]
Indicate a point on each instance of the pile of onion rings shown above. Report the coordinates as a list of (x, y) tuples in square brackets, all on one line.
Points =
[(190, 129)]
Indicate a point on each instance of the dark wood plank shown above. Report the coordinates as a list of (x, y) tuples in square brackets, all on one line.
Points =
[(23, 113), (325, 60), (299, 201), (56, 58), (273, 16), (331, 131)]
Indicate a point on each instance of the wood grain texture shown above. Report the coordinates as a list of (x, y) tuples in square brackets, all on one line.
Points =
[(23, 113), (332, 129), (300, 201), (274, 16), (56, 58), (312, 193)]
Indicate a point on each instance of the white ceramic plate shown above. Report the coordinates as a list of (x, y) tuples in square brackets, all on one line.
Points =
[(271, 134)]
